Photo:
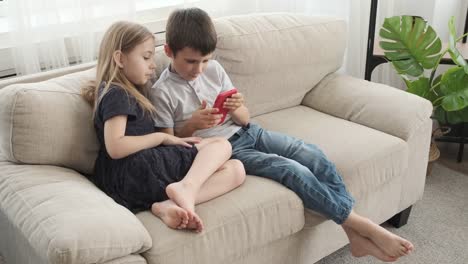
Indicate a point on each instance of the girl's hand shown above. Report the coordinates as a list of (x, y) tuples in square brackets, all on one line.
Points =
[(234, 102), (173, 140)]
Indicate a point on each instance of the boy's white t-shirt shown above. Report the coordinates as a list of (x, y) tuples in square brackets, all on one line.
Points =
[(175, 99)]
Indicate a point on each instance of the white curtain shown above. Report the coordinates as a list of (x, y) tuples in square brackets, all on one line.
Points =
[(49, 34), (356, 13)]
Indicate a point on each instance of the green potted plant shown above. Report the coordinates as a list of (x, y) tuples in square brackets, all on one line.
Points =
[(415, 51)]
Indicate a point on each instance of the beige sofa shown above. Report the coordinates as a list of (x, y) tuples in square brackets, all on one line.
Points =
[(286, 65)]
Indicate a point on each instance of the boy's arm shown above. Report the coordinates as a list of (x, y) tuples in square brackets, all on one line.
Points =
[(238, 111), (202, 118), (241, 115), (167, 130)]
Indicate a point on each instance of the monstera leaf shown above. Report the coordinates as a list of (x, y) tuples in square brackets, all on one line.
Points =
[(454, 86), (410, 44), (453, 51)]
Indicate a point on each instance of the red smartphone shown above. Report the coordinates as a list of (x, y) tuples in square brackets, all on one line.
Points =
[(220, 101)]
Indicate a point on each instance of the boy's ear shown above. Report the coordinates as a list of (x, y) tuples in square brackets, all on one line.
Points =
[(168, 51), (118, 58)]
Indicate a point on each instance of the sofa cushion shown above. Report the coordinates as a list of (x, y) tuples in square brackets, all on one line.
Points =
[(285, 53), (258, 212), (64, 217), (366, 158), (49, 123)]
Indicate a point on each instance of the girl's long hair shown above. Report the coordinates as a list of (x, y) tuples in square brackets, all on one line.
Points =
[(123, 36)]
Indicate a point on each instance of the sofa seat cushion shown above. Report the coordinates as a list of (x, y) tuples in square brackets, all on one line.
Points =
[(64, 217), (366, 158), (258, 212)]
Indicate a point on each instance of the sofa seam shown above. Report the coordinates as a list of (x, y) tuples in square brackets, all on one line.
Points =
[(49, 91), (277, 30), (12, 115)]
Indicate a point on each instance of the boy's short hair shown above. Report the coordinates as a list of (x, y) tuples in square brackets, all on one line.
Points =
[(191, 27)]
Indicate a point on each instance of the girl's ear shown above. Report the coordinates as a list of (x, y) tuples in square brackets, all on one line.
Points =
[(118, 58), (168, 51)]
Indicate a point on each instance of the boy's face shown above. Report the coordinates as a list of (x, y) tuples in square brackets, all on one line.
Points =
[(188, 63)]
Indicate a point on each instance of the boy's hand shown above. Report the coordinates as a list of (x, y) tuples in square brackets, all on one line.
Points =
[(186, 142), (205, 117), (234, 102)]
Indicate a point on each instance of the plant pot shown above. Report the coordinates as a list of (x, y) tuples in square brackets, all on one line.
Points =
[(434, 154)]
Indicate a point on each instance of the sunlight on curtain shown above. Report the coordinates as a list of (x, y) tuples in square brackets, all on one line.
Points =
[(46, 33)]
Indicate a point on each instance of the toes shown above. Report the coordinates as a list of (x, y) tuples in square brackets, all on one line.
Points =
[(390, 259), (199, 224)]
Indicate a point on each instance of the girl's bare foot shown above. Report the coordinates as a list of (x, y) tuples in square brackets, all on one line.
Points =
[(171, 214), (195, 224), (361, 246), (183, 195)]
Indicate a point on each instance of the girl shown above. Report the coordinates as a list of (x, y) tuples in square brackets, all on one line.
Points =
[(136, 166)]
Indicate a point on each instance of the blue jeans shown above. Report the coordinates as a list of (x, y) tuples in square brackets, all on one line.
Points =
[(299, 166)]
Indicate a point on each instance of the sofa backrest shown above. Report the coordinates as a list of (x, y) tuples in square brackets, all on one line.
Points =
[(49, 123), (274, 59)]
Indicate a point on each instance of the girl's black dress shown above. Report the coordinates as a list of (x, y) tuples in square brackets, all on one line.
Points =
[(138, 180)]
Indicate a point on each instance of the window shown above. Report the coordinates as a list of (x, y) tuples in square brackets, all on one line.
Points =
[(3, 19), (151, 13)]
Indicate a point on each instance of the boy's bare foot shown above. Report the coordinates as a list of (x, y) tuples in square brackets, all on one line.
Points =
[(390, 243), (171, 214), (183, 195), (361, 246)]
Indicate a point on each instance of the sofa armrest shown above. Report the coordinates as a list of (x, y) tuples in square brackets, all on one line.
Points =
[(64, 218), (374, 105)]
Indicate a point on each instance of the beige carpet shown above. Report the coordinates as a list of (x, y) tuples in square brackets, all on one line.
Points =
[(438, 225)]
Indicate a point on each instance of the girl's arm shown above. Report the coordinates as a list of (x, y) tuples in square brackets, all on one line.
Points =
[(120, 146)]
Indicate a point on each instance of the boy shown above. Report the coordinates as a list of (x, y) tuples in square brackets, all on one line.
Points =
[(187, 88)]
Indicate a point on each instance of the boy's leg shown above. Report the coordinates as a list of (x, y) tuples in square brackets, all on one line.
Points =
[(361, 246), (315, 195), (389, 243), (308, 155)]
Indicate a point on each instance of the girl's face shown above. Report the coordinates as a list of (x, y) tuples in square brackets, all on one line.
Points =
[(138, 65)]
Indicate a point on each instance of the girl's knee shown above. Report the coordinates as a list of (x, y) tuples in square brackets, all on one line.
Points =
[(223, 143), (237, 169)]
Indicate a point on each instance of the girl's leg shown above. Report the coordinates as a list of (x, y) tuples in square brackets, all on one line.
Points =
[(228, 177), (391, 244), (212, 154)]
